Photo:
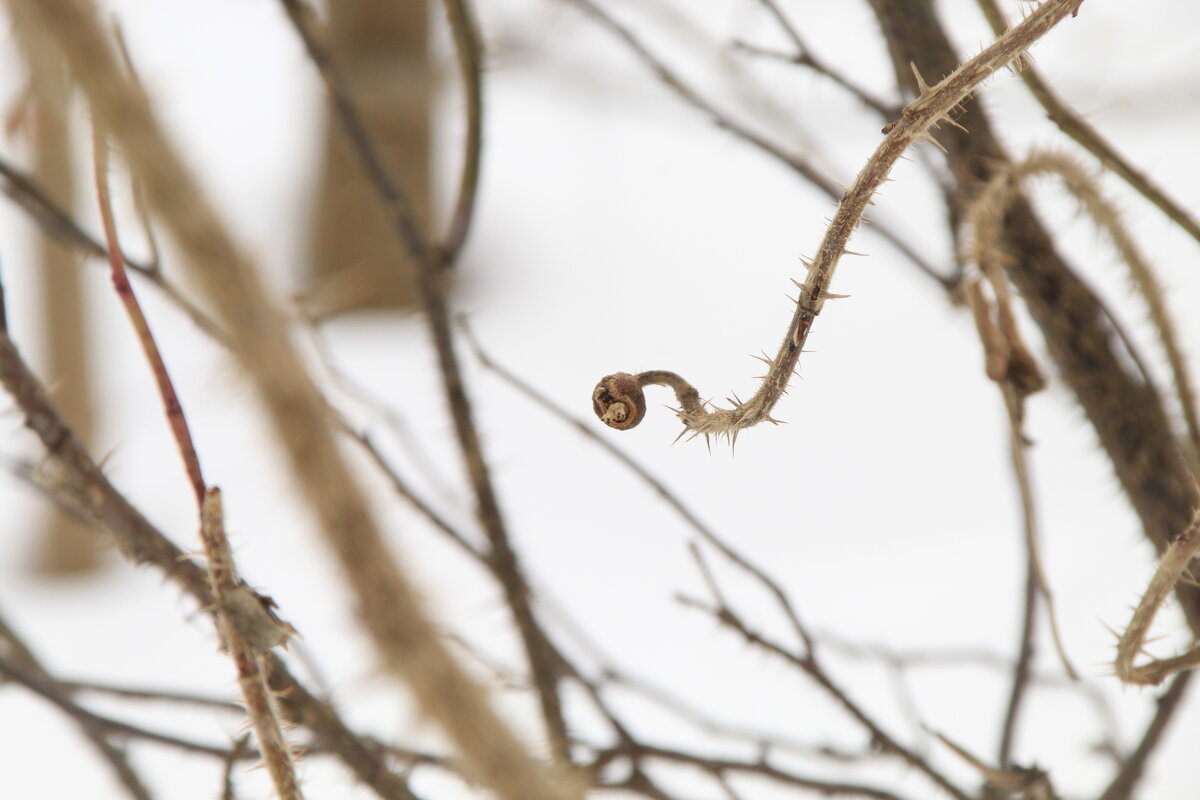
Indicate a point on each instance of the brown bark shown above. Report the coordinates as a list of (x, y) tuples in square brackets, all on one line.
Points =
[(357, 261), (1128, 415)]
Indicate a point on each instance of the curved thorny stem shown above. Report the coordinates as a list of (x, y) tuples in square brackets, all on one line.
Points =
[(618, 399)]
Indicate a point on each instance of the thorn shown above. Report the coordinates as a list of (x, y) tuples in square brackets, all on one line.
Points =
[(922, 86), (933, 142), (832, 296), (854, 253), (957, 124)]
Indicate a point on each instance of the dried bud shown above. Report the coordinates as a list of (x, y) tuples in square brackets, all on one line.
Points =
[(618, 401)]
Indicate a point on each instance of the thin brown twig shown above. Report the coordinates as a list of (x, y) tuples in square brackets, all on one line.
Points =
[(469, 49), (1171, 568), (794, 161), (757, 767), (162, 378), (48, 689), (668, 496), (151, 695), (544, 661), (77, 478), (231, 594), (932, 107), (1134, 766), (60, 225), (401, 630), (630, 747), (803, 55), (1075, 126), (1023, 666), (808, 664), (21, 665)]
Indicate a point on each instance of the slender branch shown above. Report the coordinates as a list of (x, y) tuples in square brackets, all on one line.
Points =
[(408, 642), (918, 118), (469, 48), (1171, 568), (133, 309), (232, 595), (84, 487), (1022, 668), (47, 689), (808, 664), (542, 657), (689, 516), (1132, 768), (1078, 128), (758, 767), (151, 695), (803, 55), (794, 161), (57, 223), (22, 666)]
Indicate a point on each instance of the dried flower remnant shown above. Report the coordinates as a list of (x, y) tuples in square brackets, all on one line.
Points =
[(620, 403)]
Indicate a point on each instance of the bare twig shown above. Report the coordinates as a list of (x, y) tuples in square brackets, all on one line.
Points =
[(84, 487), (151, 695), (162, 379), (56, 222), (794, 161), (1078, 128), (720, 767), (808, 664), (259, 629), (469, 48), (18, 663), (1133, 767), (406, 639), (542, 657), (803, 55), (1171, 568), (932, 107)]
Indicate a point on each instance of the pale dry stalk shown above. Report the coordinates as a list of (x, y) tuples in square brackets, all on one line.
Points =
[(934, 106), (409, 644)]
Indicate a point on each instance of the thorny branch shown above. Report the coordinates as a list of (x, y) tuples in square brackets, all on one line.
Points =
[(933, 106), (1171, 569)]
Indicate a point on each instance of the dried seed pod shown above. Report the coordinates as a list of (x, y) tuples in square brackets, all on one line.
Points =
[(618, 401)]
